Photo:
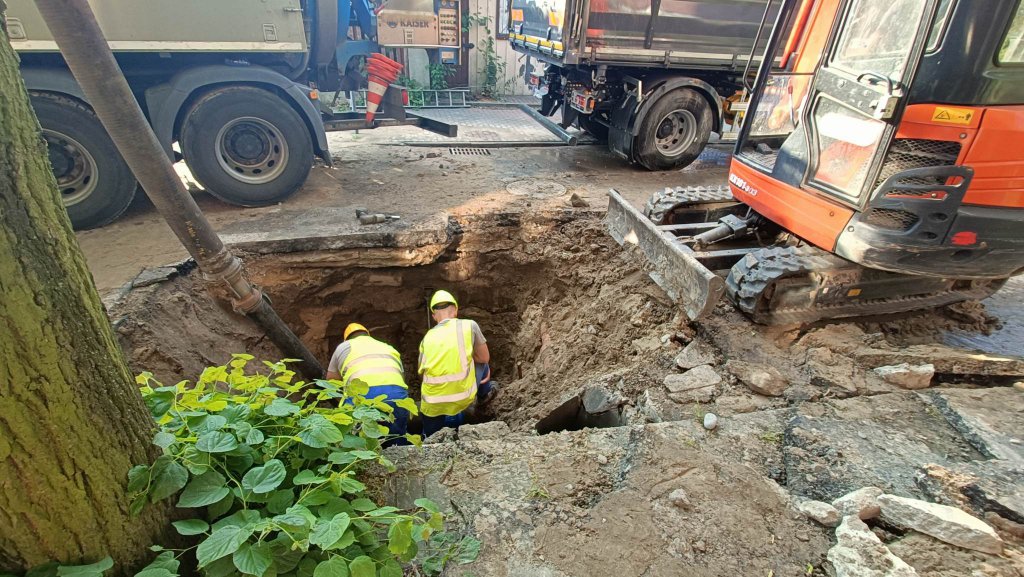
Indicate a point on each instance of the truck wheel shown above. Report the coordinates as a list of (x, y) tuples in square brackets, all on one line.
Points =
[(675, 131), (95, 183), (246, 146)]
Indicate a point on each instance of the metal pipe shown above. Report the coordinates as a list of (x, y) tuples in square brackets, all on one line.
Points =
[(78, 35), (553, 128)]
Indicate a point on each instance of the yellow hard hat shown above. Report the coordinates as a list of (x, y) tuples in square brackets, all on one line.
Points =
[(353, 328), (441, 297)]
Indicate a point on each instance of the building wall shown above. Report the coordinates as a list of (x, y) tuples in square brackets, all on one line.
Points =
[(514, 62)]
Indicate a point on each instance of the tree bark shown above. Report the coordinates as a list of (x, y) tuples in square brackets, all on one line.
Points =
[(71, 419)]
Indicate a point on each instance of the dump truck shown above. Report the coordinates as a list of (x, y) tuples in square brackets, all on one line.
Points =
[(231, 86), (654, 80), (864, 182)]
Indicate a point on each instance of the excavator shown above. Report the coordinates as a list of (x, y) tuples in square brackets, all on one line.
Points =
[(879, 169)]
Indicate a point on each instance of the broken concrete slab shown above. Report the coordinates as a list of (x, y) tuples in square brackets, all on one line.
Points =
[(947, 360), (697, 385), (762, 379), (154, 275), (983, 486), (945, 523), (822, 513), (695, 354), (986, 419), (907, 376), (835, 447), (545, 505), (862, 503), (484, 431), (860, 553)]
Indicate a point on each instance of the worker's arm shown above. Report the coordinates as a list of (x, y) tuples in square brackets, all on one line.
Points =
[(337, 359), (333, 376), (481, 355)]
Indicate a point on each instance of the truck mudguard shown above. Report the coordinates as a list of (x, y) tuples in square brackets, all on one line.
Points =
[(57, 80), (166, 101), (669, 83)]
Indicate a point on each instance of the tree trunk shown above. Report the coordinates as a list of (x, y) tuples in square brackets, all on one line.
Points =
[(71, 419)]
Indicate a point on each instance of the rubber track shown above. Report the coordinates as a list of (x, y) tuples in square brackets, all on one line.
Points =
[(662, 203), (754, 274)]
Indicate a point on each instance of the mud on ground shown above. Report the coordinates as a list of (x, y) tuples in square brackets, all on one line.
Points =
[(581, 337)]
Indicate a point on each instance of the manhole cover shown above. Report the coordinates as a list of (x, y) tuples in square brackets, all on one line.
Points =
[(535, 187), (469, 151)]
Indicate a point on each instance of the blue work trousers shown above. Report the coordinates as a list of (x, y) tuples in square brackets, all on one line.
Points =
[(432, 425)]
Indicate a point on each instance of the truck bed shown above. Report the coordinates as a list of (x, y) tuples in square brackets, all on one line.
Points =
[(175, 26), (717, 34)]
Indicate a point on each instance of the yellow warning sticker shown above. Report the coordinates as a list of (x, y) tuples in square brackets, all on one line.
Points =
[(952, 115)]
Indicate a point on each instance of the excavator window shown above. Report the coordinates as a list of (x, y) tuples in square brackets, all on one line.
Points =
[(939, 27), (878, 37), (1012, 50)]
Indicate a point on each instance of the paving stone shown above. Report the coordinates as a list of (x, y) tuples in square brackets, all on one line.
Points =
[(860, 553), (907, 376), (943, 522), (863, 503)]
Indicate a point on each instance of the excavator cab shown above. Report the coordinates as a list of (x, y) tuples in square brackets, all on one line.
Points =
[(878, 168)]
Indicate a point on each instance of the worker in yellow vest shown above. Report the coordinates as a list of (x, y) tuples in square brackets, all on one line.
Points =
[(378, 365), (454, 366)]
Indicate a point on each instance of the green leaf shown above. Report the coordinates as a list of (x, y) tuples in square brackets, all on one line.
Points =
[(222, 542), (281, 408), (195, 461), (427, 504), (220, 508), (354, 442), (307, 477), (318, 432), (363, 505), (333, 567), (327, 532), (347, 539), (168, 477), (317, 497), (254, 437), (303, 512), (240, 518), (155, 572), (469, 550), (279, 501), (138, 478), (391, 568), (235, 413), (341, 457), (210, 423), (165, 561), (362, 566), (206, 489), (307, 567), (216, 442), (44, 570), (94, 570), (407, 404), (163, 439), (290, 520), (350, 485), (159, 402), (382, 511), (191, 526), (400, 537), (253, 559), (266, 478), (223, 567)]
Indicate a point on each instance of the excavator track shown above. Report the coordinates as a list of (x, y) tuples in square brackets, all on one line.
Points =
[(662, 204), (763, 283)]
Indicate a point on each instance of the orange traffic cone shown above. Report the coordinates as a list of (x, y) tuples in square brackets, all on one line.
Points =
[(381, 73)]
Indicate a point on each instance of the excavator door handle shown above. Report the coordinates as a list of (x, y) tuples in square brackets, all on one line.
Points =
[(885, 106)]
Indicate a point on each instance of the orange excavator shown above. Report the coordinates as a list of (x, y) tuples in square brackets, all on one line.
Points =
[(879, 168)]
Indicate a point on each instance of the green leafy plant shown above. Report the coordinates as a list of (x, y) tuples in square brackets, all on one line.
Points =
[(493, 83), (271, 466), (439, 74)]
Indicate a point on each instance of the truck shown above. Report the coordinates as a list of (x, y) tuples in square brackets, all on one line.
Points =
[(231, 87), (652, 79)]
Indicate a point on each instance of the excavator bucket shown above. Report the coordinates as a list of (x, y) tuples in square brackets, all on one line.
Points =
[(675, 267)]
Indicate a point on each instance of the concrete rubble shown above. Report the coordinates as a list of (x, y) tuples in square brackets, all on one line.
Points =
[(762, 379), (860, 553), (943, 522), (695, 354), (907, 376), (862, 503), (697, 385), (822, 513)]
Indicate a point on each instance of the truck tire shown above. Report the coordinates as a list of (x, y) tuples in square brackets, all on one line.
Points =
[(95, 183), (675, 130), (246, 146)]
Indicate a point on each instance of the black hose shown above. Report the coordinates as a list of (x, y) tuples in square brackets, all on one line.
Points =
[(74, 28)]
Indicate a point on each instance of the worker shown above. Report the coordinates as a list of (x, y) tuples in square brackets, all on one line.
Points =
[(377, 364), (454, 364)]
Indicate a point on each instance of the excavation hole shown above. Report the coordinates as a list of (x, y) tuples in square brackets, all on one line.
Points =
[(560, 304)]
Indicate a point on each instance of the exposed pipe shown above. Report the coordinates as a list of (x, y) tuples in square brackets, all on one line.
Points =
[(553, 128), (78, 35)]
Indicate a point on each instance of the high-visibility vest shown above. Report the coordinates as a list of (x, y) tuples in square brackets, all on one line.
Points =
[(446, 363), (373, 363)]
